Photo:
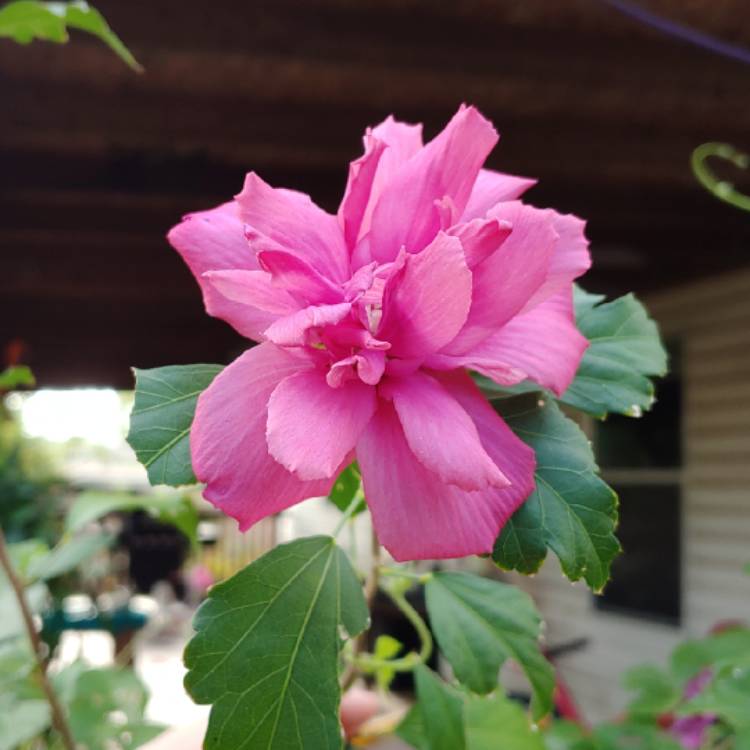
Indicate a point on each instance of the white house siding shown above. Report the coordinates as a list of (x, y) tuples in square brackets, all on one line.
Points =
[(712, 321)]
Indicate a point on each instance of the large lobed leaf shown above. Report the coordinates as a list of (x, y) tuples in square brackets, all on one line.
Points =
[(26, 20), (165, 399), (571, 510), (266, 650), (625, 352), (479, 623)]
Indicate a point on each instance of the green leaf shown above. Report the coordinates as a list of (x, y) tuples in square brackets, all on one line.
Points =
[(571, 511), (632, 736), (345, 488), (566, 735), (479, 623), (26, 20), (21, 720), (386, 647), (731, 647), (24, 555), (444, 719), (442, 711), (11, 621), (67, 555), (14, 377), (165, 399), (105, 706), (412, 729), (742, 740), (266, 650), (173, 509), (727, 695), (657, 691), (496, 722), (625, 350)]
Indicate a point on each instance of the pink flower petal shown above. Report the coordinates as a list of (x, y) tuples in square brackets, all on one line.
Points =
[(491, 188), (403, 141), (228, 439), (213, 240), (508, 279), (441, 434), (299, 278), (419, 517), (313, 427), (254, 288), (543, 344), (480, 238), (294, 222), (426, 302), (362, 173), (570, 258), (292, 330), (368, 365), (406, 214)]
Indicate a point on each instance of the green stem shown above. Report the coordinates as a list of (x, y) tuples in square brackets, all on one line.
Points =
[(58, 715), (721, 189), (349, 512), (370, 662), (420, 578)]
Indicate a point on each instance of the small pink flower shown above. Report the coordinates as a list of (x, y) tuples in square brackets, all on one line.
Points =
[(691, 731), (368, 321)]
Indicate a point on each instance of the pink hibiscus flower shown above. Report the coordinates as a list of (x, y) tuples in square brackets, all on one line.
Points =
[(368, 321)]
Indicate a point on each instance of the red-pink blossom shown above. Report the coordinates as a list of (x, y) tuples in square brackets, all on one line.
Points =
[(368, 322)]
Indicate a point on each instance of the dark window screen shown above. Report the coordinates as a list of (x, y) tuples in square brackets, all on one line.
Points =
[(651, 442), (646, 577)]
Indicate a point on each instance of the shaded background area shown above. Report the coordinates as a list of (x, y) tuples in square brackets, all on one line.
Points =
[(97, 163)]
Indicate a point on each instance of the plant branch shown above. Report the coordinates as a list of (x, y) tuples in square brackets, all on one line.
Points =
[(58, 716), (349, 512), (370, 662)]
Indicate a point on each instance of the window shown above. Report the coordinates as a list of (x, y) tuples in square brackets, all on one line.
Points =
[(641, 459)]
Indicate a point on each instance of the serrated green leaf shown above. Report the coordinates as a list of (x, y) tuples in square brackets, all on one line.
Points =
[(172, 509), (495, 722), (26, 20), (625, 352), (657, 691), (266, 650), (571, 511), (479, 623), (14, 377), (165, 399), (442, 711)]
